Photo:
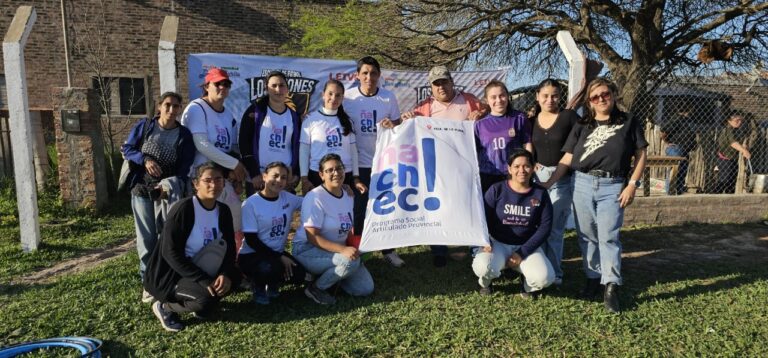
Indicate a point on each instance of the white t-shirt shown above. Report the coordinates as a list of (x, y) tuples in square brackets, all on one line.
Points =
[(205, 230), (221, 128), (332, 215), (324, 134), (270, 219), (366, 112), (275, 138)]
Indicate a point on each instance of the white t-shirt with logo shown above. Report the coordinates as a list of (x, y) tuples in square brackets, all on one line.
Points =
[(332, 215), (324, 134), (205, 230), (270, 219), (366, 112), (221, 127), (275, 139)]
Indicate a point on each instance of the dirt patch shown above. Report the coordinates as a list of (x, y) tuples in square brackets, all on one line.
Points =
[(78, 264)]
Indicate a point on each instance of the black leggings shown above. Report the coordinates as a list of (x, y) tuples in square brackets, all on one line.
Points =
[(190, 296), (269, 270)]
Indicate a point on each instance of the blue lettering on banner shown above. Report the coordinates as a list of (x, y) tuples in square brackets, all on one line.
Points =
[(406, 176)]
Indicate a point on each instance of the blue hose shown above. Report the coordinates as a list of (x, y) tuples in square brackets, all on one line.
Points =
[(88, 347)]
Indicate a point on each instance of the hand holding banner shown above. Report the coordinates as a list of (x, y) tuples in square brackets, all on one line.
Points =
[(425, 187)]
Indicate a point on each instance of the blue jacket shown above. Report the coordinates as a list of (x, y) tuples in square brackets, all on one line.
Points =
[(131, 149), (250, 132)]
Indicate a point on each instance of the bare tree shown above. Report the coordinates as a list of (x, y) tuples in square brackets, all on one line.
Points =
[(91, 44), (634, 38)]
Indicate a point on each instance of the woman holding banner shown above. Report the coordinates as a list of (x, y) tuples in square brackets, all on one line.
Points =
[(214, 131), (600, 149), (269, 132), (551, 128), (321, 246), (193, 266), (519, 217), (328, 131), (498, 134)]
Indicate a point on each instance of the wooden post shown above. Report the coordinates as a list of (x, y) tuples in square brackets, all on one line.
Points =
[(20, 123), (166, 54)]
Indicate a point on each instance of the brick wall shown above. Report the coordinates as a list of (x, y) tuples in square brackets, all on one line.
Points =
[(130, 33), (702, 208)]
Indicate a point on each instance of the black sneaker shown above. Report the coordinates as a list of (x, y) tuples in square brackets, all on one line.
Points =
[(533, 295), (485, 291), (318, 295), (169, 320), (439, 261)]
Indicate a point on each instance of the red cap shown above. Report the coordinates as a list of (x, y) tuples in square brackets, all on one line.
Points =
[(216, 75)]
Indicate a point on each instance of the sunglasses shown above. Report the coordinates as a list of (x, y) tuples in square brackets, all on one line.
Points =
[(605, 96), (224, 83)]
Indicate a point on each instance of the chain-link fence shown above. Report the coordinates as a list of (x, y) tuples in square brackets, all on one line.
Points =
[(700, 131), (706, 134)]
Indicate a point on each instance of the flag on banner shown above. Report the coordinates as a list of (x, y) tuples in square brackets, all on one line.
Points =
[(425, 187)]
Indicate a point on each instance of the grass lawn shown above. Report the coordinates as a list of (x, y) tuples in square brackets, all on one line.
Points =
[(65, 234), (689, 290)]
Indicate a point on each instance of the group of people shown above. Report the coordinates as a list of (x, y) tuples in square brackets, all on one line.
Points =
[(533, 171)]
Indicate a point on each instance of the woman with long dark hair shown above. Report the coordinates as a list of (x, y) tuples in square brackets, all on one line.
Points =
[(160, 152), (551, 128), (328, 131), (607, 151), (269, 132)]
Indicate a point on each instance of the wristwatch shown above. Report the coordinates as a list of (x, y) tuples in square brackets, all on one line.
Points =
[(636, 183)]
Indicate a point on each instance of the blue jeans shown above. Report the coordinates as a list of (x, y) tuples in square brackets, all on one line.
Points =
[(146, 229), (561, 195), (598, 220), (331, 268), (674, 150), (535, 268)]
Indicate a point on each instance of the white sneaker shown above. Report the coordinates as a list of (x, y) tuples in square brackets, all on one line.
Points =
[(394, 259), (146, 297)]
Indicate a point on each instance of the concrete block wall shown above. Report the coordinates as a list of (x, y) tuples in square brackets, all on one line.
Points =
[(701, 208)]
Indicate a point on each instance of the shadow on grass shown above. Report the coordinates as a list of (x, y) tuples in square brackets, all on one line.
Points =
[(675, 262)]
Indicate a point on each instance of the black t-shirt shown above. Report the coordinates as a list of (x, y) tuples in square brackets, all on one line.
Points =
[(548, 143), (607, 147)]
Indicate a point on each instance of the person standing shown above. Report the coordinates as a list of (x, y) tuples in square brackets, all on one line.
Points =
[(497, 134), (269, 132), (369, 105), (551, 128), (445, 103), (600, 149), (732, 142), (158, 149), (214, 131)]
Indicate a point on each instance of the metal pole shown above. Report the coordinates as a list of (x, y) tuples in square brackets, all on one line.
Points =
[(66, 42)]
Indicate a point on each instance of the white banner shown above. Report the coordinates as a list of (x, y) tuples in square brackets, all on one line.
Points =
[(307, 76), (425, 187)]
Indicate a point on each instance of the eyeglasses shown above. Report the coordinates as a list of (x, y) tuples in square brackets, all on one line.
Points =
[(338, 170), (216, 180), (224, 83), (605, 96)]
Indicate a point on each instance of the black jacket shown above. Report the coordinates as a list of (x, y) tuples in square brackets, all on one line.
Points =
[(168, 263)]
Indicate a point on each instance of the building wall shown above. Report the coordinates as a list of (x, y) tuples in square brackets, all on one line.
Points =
[(127, 37)]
